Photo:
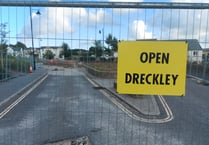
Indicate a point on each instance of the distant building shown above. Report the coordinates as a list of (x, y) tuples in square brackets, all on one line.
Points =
[(195, 51), (10, 51), (205, 55), (14, 51), (29, 51), (55, 50)]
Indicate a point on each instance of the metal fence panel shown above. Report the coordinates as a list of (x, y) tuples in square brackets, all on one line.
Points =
[(77, 44)]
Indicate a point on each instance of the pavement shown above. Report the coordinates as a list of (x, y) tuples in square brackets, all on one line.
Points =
[(15, 85), (147, 105)]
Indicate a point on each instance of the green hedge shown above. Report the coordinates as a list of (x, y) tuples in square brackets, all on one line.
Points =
[(10, 66)]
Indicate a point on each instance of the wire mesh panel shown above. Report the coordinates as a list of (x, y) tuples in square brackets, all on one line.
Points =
[(71, 92)]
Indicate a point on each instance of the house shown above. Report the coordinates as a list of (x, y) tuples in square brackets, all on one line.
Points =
[(10, 51), (205, 55), (29, 51), (14, 51), (55, 50), (195, 51)]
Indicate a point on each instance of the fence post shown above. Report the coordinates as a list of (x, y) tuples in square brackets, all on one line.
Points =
[(204, 68), (6, 65), (2, 66)]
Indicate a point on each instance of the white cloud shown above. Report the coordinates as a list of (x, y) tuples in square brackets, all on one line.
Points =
[(65, 20), (181, 24), (55, 21), (59, 22), (191, 1), (99, 17), (138, 30), (51, 22)]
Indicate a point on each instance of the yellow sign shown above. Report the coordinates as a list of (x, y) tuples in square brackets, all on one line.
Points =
[(152, 67)]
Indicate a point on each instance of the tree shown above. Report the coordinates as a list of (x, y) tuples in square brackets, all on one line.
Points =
[(3, 33), (108, 40), (66, 51), (96, 49), (112, 42), (48, 54), (20, 45), (3, 44), (107, 51), (92, 51)]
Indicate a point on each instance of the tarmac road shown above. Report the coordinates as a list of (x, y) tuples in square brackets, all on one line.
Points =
[(66, 105)]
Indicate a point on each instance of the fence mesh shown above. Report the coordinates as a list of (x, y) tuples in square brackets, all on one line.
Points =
[(76, 42)]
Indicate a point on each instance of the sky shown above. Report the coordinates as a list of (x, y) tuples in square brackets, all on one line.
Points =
[(80, 27)]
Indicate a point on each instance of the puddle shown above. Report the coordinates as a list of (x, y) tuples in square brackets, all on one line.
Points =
[(76, 141)]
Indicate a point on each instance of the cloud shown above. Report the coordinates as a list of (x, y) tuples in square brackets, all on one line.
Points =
[(99, 17), (191, 1), (60, 22), (138, 30), (52, 21), (65, 20), (55, 21), (181, 24)]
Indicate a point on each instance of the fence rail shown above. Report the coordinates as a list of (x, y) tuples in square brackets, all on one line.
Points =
[(93, 4)]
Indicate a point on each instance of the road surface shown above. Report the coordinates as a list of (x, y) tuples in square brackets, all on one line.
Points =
[(66, 105)]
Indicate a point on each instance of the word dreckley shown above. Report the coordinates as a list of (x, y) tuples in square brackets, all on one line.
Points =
[(151, 79)]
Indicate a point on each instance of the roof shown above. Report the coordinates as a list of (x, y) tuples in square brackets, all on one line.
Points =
[(50, 47), (193, 44)]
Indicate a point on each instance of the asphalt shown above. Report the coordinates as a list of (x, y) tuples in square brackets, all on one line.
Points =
[(15, 85), (146, 105)]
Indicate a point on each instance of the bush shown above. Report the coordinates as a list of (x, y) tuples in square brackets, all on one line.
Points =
[(11, 66)]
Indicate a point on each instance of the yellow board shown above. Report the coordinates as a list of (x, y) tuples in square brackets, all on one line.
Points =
[(152, 67)]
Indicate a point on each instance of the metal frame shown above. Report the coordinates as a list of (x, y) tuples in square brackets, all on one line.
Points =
[(130, 5)]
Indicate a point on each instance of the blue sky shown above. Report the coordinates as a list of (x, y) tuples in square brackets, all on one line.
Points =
[(79, 27)]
